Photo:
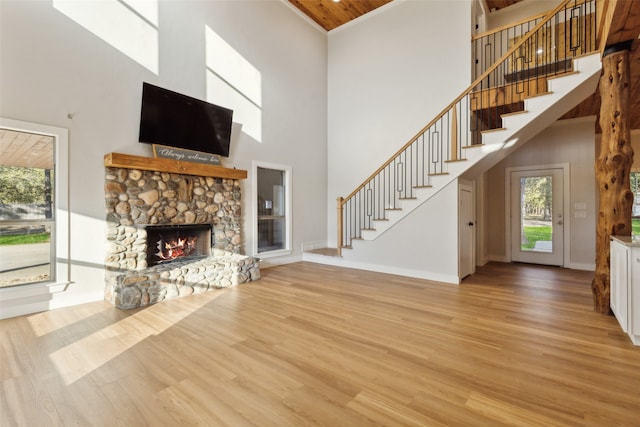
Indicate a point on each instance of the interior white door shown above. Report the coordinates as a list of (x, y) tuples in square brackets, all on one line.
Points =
[(466, 231), (537, 217)]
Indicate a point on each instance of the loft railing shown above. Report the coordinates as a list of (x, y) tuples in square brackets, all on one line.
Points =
[(489, 46), (541, 49)]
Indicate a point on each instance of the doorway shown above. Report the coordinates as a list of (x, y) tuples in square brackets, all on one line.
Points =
[(536, 215), (466, 230)]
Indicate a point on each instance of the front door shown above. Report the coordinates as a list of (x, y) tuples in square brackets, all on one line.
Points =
[(537, 217)]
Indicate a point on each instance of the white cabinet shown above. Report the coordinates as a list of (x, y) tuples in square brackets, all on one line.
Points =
[(625, 284)]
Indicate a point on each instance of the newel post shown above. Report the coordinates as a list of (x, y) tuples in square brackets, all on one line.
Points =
[(339, 241), (613, 167)]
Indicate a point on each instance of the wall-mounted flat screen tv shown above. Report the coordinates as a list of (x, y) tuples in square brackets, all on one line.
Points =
[(176, 120)]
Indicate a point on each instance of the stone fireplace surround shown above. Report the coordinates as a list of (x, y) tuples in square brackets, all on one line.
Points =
[(146, 191)]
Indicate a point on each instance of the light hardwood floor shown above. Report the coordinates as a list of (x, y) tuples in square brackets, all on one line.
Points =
[(310, 344)]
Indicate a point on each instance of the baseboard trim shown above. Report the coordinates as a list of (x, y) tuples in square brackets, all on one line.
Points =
[(417, 274), (273, 262), (582, 266)]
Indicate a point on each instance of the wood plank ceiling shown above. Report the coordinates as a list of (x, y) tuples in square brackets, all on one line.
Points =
[(26, 150), (331, 14)]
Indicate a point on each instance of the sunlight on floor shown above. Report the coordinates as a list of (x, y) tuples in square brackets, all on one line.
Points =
[(80, 358)]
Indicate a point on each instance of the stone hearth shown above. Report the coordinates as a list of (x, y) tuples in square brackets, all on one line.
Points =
[(178, 278), (136, 198)]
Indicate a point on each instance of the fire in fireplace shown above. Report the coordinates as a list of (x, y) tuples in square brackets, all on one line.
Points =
[(171, 242)]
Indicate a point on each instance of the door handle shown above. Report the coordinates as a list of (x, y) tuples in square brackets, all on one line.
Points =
[(470, 224), (560, 222)]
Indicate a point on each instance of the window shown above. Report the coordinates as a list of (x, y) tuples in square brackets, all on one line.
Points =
[(272, 201), (33, 215), (635, 210), (27, 249)]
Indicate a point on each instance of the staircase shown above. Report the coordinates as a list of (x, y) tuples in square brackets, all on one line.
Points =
[(515, 98), (540, 111)]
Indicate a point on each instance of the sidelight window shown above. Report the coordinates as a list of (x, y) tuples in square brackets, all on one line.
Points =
[(272, 200), (635, 211)]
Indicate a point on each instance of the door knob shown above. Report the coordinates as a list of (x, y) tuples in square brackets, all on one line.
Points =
[(470, 224), (560, 222)]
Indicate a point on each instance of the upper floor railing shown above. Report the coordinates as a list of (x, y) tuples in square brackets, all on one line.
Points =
[(527, 54), (562, 38)]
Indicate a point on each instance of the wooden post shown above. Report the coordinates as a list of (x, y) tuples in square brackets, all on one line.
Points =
[(339, 241), (454, 133), (613, 167)]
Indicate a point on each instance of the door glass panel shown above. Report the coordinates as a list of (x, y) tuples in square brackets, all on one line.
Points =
[(26, 208), (635, 210), (536, 214), (271, 210)]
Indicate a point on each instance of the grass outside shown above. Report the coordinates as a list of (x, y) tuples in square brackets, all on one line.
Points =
[(25, 239), (535, 233)]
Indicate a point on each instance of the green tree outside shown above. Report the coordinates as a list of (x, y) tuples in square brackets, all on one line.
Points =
[(22, 185)]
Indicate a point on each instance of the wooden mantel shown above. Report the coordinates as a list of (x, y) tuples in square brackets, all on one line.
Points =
[(117, 160)]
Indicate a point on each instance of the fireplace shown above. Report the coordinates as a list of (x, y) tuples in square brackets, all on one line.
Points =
[(166, 243), (171, 234)]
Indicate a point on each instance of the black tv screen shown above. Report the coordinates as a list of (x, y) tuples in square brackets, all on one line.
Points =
[(176, 120)]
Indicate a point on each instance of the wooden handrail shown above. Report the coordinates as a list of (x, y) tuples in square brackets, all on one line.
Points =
[(516, 23), (507, 26), (475, 83)]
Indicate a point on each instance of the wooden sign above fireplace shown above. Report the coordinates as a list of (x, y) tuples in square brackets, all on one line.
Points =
[(128, 161)]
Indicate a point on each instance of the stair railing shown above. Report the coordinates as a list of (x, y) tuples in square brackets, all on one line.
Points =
[(491, 45), (532, 56)]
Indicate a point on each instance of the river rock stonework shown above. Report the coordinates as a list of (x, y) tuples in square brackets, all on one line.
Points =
[(222, 269), (135, 199)]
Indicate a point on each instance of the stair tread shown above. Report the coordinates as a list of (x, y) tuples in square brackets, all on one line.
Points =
[(513, 113), (492, 130), (423, 186), (568, 73), (325, 251), (474, 146), (439, 173), (538, 94), (456, 160), (407, 198)]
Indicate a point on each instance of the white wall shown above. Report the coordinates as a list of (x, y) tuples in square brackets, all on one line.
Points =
[(388, 76), (567, 141), (424, 244), (518, 11), (51, 67)]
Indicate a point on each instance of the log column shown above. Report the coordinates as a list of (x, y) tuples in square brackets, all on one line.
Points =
[(613, 167)]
